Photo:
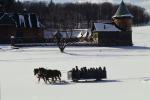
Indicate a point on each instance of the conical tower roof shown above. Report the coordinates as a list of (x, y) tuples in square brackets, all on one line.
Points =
[(122, 11)]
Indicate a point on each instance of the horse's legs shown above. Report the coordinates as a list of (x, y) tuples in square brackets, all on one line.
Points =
[(53, 80), (45, 80), (59, 79), (38, 79), (49, 81)]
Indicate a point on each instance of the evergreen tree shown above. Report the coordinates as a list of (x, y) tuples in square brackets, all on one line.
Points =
[(7, 4)]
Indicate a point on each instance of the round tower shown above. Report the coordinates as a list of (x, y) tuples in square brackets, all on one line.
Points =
[(123, 18)]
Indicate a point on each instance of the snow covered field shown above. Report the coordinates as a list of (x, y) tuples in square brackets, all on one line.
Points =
[(128, 71)]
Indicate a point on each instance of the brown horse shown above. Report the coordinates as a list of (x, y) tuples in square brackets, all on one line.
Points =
[(39, 75), (46, 74)]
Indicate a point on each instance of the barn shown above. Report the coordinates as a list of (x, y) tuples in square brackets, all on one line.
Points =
[(25, 27), (118, 32)]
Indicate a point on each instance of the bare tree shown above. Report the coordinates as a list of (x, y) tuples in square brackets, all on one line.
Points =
[(63, 41)]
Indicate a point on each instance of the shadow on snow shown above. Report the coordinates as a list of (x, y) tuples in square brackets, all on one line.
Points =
[(121, 51)]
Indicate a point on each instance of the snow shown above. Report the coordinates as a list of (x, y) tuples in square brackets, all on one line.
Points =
[(22, 20), (81, 32), (125, 15), (105, 27), (29, 19), (127, 68), (38, 23)]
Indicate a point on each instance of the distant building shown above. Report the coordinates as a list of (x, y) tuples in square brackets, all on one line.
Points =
[(118, 32), (74, 34), (25, 27)]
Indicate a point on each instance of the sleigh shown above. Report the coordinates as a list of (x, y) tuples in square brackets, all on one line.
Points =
[(96, 74)]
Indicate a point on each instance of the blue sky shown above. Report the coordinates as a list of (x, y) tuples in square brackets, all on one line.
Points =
[(142, 3)]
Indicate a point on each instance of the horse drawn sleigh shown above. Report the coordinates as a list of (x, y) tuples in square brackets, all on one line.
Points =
[(75, 74), (86, 74)]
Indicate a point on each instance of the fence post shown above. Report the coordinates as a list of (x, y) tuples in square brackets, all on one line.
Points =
[(12, 40)]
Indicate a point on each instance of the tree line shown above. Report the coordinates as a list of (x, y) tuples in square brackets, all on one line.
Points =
[(56, 15)]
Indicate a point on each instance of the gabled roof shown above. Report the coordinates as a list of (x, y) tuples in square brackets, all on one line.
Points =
[(5, 19), (76, 33), (122, 11), (81, 33), (26, 20), (105, 27)]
